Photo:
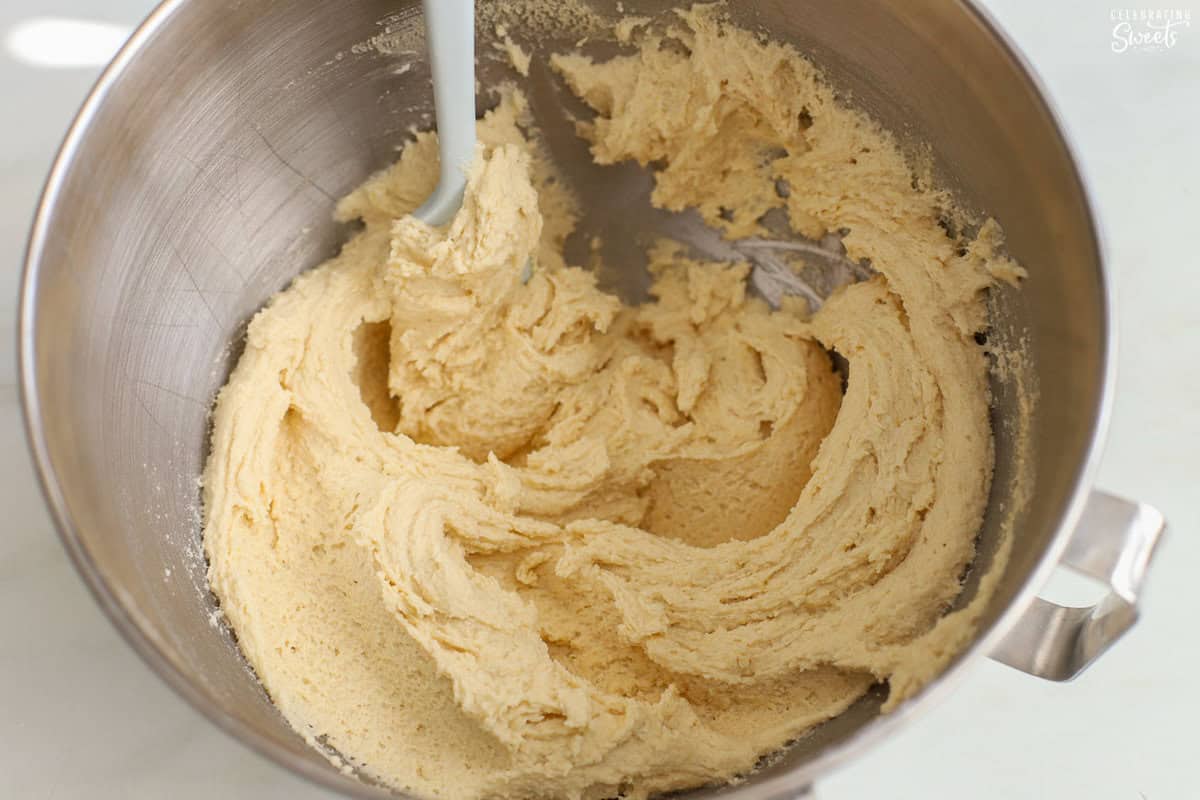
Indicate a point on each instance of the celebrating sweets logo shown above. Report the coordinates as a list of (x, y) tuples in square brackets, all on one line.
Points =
[(1147, 30)]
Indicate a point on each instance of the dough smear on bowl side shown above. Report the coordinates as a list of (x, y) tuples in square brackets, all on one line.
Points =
[(487, 539)]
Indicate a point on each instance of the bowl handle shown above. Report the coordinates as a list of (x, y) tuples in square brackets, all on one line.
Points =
[(1113, 542)]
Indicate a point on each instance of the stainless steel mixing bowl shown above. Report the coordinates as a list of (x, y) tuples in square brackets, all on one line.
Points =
[(200, 176)]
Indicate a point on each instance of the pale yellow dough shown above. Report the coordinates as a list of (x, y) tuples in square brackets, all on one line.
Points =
[(489, 539)]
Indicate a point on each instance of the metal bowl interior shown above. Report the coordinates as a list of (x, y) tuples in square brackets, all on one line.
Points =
[(200, 177)]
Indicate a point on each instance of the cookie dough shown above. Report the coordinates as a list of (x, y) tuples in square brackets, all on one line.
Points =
[(486, 539)]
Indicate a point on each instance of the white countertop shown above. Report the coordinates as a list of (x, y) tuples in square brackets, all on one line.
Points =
[(81, 716)]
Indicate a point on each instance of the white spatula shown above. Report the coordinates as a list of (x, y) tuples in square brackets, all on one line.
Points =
[(450, 38)]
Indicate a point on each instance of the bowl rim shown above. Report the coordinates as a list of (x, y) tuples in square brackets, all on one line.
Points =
[(795, 781)]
